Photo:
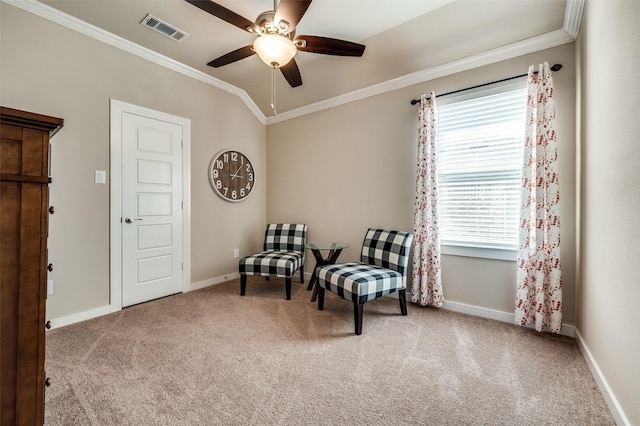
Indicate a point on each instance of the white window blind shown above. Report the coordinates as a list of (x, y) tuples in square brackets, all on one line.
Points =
[(480, 148)]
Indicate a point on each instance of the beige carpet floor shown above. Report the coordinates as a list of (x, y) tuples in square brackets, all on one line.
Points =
[(212, 357)]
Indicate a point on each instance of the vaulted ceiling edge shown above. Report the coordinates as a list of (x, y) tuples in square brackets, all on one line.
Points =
[(572, 18)]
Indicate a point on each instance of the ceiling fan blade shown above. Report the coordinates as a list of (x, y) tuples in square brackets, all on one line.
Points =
[(291, 11), (225, 14), (329, 46), (291, 73), (230, 57)]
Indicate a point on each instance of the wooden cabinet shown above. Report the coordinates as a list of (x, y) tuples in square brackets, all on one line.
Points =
[(24, 211)]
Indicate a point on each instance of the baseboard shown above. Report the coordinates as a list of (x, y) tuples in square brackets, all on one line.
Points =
[(82, 316), (607, 393), (567, 330), (212, 281), (105, 310)]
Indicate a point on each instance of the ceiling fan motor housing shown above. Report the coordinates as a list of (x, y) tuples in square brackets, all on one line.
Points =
[(268, 26)]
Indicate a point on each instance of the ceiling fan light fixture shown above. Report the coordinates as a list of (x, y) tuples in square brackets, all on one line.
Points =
[(275, 50)]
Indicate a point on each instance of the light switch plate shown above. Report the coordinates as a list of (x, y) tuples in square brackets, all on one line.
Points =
[(101, 176)]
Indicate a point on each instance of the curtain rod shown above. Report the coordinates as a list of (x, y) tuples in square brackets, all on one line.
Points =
[(556, 67)]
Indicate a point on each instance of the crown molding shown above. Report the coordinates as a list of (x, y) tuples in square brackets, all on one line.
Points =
[(530, 45), (75, 24), (568, 33), (573, 17)]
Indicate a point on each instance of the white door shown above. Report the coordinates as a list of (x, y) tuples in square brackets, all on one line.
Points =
[(152, 208)]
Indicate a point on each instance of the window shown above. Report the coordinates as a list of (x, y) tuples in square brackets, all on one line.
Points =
[(480, 148)]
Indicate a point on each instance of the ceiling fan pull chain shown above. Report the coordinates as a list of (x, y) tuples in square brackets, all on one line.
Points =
[(273, 89)]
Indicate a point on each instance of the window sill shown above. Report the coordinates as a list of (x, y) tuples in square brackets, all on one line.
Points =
[(481, 252)]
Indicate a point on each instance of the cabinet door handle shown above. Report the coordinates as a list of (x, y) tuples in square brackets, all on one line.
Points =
[(50, 267), (52, 210), (47, 325), (47, 382)]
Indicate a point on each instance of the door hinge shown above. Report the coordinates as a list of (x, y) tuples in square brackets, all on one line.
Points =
[(182, 205), (181, 266), (181, 143)]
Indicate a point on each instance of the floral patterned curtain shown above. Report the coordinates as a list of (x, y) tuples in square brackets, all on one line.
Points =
[(426, 287), (539, 283)]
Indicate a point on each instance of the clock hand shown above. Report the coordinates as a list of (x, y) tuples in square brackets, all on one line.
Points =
[(235, 175)]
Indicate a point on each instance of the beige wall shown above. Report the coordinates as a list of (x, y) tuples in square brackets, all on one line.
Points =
[(48, 69), (345, 169), (609, 121)]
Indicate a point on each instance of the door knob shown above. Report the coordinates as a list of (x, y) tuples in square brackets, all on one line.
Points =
[(131, 219)]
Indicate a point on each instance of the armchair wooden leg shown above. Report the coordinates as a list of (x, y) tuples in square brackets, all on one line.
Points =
[(302, 273), (320, 298), (357, 317), (403, 301), (287, 284), (243, 284)]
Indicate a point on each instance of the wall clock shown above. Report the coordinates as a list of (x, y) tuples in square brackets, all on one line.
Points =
[(231, 175)]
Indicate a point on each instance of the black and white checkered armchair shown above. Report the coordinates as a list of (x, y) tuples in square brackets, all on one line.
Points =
[(282, 255), (382, 270)]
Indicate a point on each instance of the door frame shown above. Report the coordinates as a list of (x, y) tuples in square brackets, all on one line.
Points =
[(117, 108)]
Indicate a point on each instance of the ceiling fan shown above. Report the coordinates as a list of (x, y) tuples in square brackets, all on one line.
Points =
[(276, 43)]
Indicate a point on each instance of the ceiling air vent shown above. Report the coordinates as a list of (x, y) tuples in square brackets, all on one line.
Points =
[(163, 28)]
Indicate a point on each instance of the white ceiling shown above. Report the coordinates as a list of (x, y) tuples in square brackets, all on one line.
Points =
[(401, 37)]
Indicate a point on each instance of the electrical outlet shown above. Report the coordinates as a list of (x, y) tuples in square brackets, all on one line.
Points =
[(236, 252), (49, 287)]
